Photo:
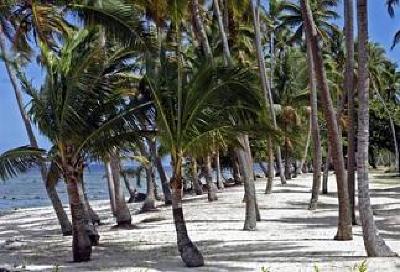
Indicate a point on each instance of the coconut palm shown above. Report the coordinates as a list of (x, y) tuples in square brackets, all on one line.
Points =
[(216, 99), (312, 37), (374, 244), (80, 109)]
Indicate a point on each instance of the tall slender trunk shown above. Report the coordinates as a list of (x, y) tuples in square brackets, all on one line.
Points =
[(271, 168), (225, 44), (150, 201), (122, 213), (200, 30), (220, 183), (237, 178), (52, 176), (326, 171), (51, 192), (164, 181), (110, 183), (195, 178), (211, 187), (374, 244), (288, 174), (93, 216), (315, 131), (344, 223), (190, 254), (265, 85), (349, 87), (307, 147)]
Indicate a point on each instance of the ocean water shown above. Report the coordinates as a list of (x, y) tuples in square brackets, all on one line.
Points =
[(27, 190)]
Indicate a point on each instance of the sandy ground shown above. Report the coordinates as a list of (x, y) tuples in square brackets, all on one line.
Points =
[(289, 237)]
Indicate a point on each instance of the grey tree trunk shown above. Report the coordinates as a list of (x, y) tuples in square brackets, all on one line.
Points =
[(271, 168), (303, 160), (110, 183), (51, 192), (220, 183), (344, 223), (315, 131), (52, 177), (326, 171), (195, 178), (349, 88), (264, 83), (227, 52), (374, 244), (122, 213), (150, 201), (132, 191), (200, 30), (211, 187), (164, 181)]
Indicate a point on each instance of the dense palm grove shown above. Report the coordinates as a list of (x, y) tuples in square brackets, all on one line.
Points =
[(215, 85)]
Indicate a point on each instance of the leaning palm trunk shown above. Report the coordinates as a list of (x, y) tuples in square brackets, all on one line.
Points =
[(164, 181), (51, 191), (317, 153), (211, 188), (249, 191), (349, 87), (225, 44), (190, 254), (93, 216), (200, 30), (81, 243), (122, 213), (344, 223), (374, 244), (304, 159), (51, 181), (265, 85), (131, 191)]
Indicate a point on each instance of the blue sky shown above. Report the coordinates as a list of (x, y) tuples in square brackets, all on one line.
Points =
[(12, 132)]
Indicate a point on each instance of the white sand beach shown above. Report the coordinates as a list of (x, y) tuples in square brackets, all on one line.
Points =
[(289, 238)]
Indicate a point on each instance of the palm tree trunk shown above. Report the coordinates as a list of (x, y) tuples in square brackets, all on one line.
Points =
[(265, 86), (110, 183), (122, 213), (150, 201), (198, 189), (128, 186), (307, 147), (227, 52), (211, 188), (52, 177), (249, 195), (93, 216), (236, 168), (344, 222), (200, 31), (164, 181), (271, 168), (190, 254), (51, 192), (326, 171), (81, 243), (315, 131), (220, 183), (349, 87), (374, 244)]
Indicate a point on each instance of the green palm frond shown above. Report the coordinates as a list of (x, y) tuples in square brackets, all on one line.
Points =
[(19, 160)]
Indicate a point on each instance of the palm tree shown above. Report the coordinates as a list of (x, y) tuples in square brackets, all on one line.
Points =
[(264, 83), (349, 88), (12, 30), (80, 110), (344, 224), (189, 116), (374, 244)]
